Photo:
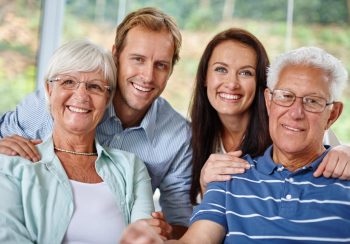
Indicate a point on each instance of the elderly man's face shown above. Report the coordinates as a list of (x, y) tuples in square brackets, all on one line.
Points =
[(293, 129)]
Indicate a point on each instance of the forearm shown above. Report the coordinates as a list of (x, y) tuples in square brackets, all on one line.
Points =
[(178, 231)]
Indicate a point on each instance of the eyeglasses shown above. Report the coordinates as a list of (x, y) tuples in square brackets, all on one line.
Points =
[(311, 104), (67, 82)]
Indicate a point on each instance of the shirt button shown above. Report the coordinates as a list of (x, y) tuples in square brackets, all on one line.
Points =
[(288, 197), (291, 180), (280, 169)]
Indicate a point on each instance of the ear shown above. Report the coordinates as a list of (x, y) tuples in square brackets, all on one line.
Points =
[(114, 51), (336, 111), (268, 97), (48, 88)]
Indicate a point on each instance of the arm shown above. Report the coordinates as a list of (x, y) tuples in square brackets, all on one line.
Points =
[(30, 119), (220, 167), (174, 191), (202, 231), (142, 190), (208, 222), (17, 145), (12, 223)]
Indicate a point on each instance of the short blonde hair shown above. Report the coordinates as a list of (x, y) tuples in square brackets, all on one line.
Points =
[(152, 19)]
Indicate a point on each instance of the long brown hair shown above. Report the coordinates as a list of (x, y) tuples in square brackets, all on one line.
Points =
[(206, 124)]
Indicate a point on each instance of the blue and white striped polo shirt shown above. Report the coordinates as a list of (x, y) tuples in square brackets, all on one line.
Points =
[(269, 204)]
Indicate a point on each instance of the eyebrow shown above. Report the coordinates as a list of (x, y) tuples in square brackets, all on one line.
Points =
[(143, 56), (224, 64)]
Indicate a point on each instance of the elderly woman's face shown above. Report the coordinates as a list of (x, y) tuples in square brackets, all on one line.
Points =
[(293, 129), (78, 109)]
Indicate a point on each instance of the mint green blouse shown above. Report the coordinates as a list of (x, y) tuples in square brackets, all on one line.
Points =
[(36, 198)]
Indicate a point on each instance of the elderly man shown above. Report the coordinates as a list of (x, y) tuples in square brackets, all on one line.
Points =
[(278, 200)]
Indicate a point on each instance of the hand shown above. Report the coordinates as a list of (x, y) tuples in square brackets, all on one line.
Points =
[(159, 225), (220, 167), (20, 146), (336, 163), (140, 232)]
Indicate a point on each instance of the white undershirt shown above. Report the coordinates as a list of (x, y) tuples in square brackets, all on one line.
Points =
[(96, 217)]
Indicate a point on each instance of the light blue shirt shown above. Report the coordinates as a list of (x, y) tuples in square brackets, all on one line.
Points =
[(162, 141), (37, 201)]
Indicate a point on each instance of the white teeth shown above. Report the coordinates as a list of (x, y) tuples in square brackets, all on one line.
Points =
[(77, 110), (229, 96), (291, 128), (141, 88)]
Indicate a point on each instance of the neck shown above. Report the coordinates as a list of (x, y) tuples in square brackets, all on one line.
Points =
[(233, 131), (74, 143), (293, 161), (128, 116)]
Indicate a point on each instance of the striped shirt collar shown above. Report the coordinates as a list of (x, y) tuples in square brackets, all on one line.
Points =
[(148, 124), (266, 165)]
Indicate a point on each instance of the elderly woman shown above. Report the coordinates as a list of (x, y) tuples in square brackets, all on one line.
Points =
[(79, 192), (278, 200)]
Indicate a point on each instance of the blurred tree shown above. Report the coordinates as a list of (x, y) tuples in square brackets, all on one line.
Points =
[(228, 10)]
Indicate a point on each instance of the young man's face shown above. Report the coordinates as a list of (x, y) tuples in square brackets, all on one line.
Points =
[(144, 66)]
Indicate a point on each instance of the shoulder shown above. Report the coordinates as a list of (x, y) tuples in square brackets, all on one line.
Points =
[(14, 166), (123, 158), (170, 120)]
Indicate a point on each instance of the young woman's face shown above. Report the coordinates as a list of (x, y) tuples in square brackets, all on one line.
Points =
[(231, 78)]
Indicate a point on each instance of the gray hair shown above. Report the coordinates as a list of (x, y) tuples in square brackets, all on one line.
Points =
[(311, 57), (83, 56)]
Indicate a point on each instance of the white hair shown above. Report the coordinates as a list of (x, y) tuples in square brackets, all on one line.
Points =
[(311, 57), (83, 56)]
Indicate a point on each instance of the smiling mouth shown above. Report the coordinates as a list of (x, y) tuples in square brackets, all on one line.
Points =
[(229, 96), (77, 110), (141, 88), (292, 128)]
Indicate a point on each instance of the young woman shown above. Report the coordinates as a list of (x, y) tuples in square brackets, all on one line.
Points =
[(228, 112)]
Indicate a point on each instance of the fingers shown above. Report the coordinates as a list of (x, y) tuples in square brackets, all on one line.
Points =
[(336, 164), (140, 233), (346, 173), (320, 169), (220, 167), (17, 145), (158, 215), (235, 153), (159, 225)]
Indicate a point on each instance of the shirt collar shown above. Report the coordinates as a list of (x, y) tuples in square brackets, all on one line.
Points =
[(148, 123), (266, 165)]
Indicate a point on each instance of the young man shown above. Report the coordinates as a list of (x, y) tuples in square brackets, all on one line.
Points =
[(146, 48)]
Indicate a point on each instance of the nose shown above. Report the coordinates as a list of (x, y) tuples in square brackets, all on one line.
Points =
[(81, 92), (232, 81), (296, 110), (147, 72)]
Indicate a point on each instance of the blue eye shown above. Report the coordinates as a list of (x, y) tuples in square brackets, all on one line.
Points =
[(221, 69), (246, 73), (161, 66)]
